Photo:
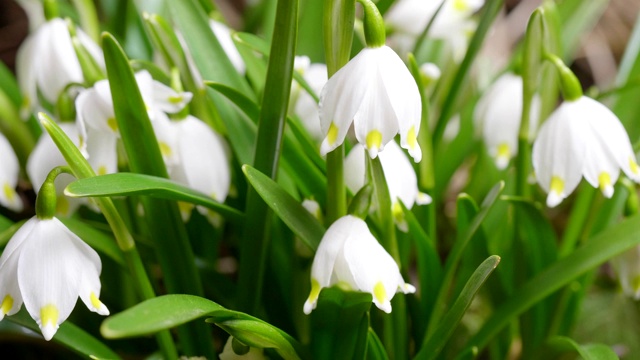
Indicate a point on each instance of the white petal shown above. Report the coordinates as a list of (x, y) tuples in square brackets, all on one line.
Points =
[(559, 153), (49, 273), (26, 66), (103, 156), (306, 107), (355, 168), (94, 108), (45, 156), (400, 175), (223, 33), (168, 100), (167, 140), (9, 172), (342, 97)]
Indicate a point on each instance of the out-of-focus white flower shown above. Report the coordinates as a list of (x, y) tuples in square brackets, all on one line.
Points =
[(349, 255), (223, 33), (401, 178), (47, 267), (377, 93), (229, 354), (35, 13), (582, 138), (313, 208), (627, 267), (409, 18), (304, 105), (46, 156), (201, 159), (46, 62), (499, 112), (9, 172), (430, 71)]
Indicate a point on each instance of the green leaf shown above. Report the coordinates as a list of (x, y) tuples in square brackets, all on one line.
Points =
[(625, 106), (596, 251), (9, 86), (126, 184), (70, 336), (163, 217), (375, 349), (340, 324), (290, 211), (169, 311), (577, 18), (432, 345), (560, 344)]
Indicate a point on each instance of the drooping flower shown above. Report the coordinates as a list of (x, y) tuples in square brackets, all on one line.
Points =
[(582, 138), (627, 267), (252, 353), (44, 157), (47, 267), (377, 93), (349, 255), (409, 18), (304, 105), (400, 175), (9, 172), (499, 111), (46, 62)]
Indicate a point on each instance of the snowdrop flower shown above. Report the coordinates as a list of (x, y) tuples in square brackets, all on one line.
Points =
[(377, 93), (349, 255), (223, 33), (9, 172), (499, 112), (47, 267), (401, 178), (453, 23), (35, 12), (46, 63), (252, 353), (201, 159), (627, 267), (46, 156), (304, 105), (582, 138)]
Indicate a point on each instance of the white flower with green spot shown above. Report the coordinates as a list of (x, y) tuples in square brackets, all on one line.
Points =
[(377, 93), (350, 256), (47, 267), (246, 353), (9, 172), (627, 267), (499, 111), (399, 173), (582, 138)]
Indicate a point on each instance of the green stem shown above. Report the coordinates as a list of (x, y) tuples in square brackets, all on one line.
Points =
[(571, 88), (16, 130), (81, 169), (273, 114), (577, 220), (374, 32), (88, 18), (336, 188)]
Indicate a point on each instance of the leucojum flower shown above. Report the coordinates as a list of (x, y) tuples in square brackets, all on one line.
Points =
[(47, 267), (376, 92), (499, 111), (349, 255), (582, 138), (400, 175), (9, 172)]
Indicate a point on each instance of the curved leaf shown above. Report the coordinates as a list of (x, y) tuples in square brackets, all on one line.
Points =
[(587, 351)]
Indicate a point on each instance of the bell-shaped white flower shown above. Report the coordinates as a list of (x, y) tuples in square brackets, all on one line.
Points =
[(377, 93), (223, 33), (400, 175), (499, 111), (582, 138), (201, 158), (304, 104), (349, 255), (46, 156), (252, 353), (627, 267), (47, 267), (409, 18), (46, 62), (9, 172)]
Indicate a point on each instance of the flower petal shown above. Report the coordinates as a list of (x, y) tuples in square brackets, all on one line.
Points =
[(9, 172)]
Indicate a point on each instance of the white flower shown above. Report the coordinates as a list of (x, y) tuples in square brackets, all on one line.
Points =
[(349, 255), (627, 266), (252, 354), (46, 62), (201, 158), (409, 18), (223, 33), (305, 106), (582, 138), (9, 172), (499, 110), (46, 267), (400, 175), (376, 91), (46, 156)]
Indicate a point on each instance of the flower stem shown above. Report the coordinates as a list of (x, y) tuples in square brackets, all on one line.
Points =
[(88, 18)]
